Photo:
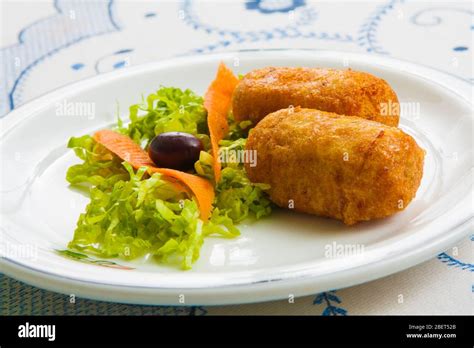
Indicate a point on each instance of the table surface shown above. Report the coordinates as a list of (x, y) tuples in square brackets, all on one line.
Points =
[(48, 44)]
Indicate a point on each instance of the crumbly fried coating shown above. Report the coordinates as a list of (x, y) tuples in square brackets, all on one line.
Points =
[(343, 167), (345, 92)]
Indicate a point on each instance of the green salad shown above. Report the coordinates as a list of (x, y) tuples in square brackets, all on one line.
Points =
[(132, 213)]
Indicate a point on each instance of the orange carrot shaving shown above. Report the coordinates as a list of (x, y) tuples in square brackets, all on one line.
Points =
[(201, 188), (217, 102), (125, 148)]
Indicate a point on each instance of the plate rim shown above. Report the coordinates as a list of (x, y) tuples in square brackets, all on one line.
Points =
[(22, 113), (246, 293)]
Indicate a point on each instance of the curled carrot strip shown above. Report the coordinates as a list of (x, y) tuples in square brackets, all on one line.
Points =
[(125, 148), (217, 101)]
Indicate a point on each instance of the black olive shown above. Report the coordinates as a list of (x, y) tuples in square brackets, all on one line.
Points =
[(175, 150)]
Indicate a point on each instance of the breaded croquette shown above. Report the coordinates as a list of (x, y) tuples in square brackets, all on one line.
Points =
[(345, 92), (343, 167)]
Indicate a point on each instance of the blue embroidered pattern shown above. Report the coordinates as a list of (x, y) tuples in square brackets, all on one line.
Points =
[(451, 261), (419, 17), (367, 32), (235, 37), (271, 6), (99, 67), (33, 301), (77, 66), (91, 18), (427, 17), (330, 300), (97, 18)]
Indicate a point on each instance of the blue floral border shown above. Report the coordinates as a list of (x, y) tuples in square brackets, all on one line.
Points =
[(453, 262), (230, 37), (367, 33), (330, 301), (34, 301), (11, 90)]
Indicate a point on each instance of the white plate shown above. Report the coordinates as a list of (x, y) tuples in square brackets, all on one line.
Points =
[(281, 256)]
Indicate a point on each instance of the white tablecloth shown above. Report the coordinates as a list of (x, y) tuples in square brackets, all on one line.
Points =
[(47, 44)]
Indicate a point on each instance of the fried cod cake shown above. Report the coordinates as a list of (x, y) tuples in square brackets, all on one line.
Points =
[(342, 167), (345, 92)]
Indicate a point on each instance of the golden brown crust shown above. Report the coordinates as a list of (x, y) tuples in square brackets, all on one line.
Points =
[(342, 167), (344, 92)]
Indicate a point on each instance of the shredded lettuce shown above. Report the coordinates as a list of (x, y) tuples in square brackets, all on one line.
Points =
[(132, 214), (237, 196), (100, 167), (146, 216), (138, 217), (168, 110), (237, 130)]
